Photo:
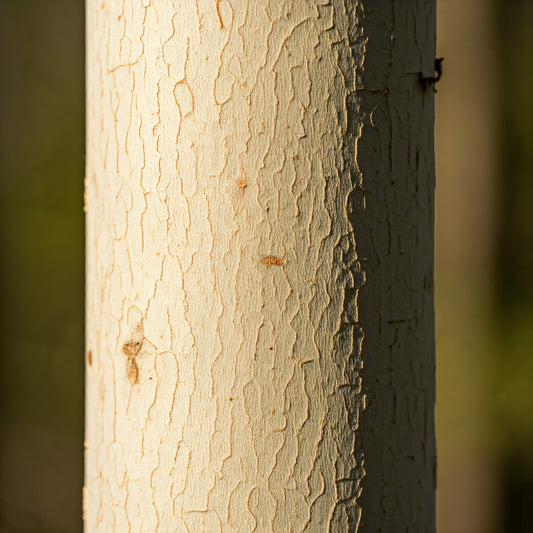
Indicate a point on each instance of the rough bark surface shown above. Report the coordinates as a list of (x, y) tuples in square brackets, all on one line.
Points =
[(237, 153)]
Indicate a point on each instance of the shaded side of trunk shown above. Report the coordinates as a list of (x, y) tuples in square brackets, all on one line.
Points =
[(393, 220)]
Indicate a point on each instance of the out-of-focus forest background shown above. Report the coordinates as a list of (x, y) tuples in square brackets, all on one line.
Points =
[(41, 264), (484, 143)]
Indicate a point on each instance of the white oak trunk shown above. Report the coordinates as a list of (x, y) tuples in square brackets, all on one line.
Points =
[(259, 225)]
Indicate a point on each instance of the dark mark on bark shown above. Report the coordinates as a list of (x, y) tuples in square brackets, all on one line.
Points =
[(271, 260), (131, 350)]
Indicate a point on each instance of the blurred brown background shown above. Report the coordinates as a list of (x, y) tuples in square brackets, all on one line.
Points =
[(484, 141)]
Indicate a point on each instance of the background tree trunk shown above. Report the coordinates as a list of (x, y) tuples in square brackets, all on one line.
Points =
[(259, 225), (469, 498)]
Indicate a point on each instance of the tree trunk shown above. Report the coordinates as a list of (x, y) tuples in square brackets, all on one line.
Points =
[(259, 225)]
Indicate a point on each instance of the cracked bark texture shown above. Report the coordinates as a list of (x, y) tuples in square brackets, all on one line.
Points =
[(259, 199)]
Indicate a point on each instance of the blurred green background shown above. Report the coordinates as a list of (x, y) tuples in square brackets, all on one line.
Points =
[(484, 139), (42, 264)]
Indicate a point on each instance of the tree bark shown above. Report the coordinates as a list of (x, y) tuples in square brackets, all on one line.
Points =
[(259, 225)]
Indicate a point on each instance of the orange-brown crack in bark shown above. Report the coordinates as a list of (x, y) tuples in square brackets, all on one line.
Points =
[(220, 15)]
